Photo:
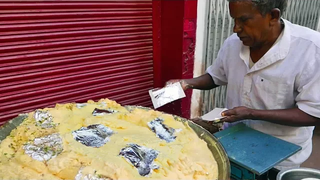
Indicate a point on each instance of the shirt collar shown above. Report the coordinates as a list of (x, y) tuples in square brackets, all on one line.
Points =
[(277, 52)]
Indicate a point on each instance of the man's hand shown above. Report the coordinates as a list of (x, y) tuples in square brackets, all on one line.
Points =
[(289, 117), (204, 82), (237, 114), (183, 83)]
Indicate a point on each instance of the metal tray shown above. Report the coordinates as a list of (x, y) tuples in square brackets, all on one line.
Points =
[(213, 144)]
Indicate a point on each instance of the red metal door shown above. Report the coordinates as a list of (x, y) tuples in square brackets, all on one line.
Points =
[(174, 46), (71, 51)]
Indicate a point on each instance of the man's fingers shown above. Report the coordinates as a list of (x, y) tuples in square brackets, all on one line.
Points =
[(223, 119), (226, 119), (229, 119), (228, 112)]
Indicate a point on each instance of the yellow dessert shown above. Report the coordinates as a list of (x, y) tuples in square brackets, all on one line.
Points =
[(68, 152)]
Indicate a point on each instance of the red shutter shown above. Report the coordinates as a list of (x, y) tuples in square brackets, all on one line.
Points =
[(71, 51)]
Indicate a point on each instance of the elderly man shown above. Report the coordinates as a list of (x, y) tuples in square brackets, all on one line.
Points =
[(272, 69)]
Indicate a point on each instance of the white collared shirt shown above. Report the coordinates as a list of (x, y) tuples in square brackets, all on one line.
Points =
[(287, 76)]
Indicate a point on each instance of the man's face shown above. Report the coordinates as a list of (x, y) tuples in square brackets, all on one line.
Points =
[(251, 26)]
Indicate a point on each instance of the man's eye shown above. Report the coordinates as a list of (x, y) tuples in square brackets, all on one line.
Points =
[(243, 19)]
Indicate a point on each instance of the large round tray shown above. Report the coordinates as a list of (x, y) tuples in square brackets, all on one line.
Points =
[(213, 144)]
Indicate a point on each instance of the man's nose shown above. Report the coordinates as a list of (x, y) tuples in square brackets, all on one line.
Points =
[(236, 28)]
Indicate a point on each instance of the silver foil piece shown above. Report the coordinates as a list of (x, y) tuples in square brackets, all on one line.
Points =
[(95, 135), (163, 131), (44, 148), (140, 157), (43, 119), (101, 112), (94, 176)]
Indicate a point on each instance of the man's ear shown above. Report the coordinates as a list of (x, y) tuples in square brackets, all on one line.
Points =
[(275, 16)]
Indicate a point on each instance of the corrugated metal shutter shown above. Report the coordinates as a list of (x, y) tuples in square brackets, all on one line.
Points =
[(220, 26), (71, 51)]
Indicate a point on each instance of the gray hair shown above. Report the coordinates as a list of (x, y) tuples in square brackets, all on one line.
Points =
[(265, 6)]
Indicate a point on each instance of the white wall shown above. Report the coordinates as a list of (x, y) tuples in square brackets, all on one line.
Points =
[(201, 35)]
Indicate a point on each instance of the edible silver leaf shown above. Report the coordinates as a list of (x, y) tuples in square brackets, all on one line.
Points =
[(95, 135), (44, 148)]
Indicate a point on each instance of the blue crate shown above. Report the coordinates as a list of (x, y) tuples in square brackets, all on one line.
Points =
[(251, 152)]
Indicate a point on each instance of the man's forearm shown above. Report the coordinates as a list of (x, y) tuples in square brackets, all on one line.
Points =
[(204, 82), (289, 117)]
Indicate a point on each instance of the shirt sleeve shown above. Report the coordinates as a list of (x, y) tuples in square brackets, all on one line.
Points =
[(217, 69), (308, 98)]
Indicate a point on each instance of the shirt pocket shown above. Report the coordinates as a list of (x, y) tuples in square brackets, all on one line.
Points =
[(271, 92)]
